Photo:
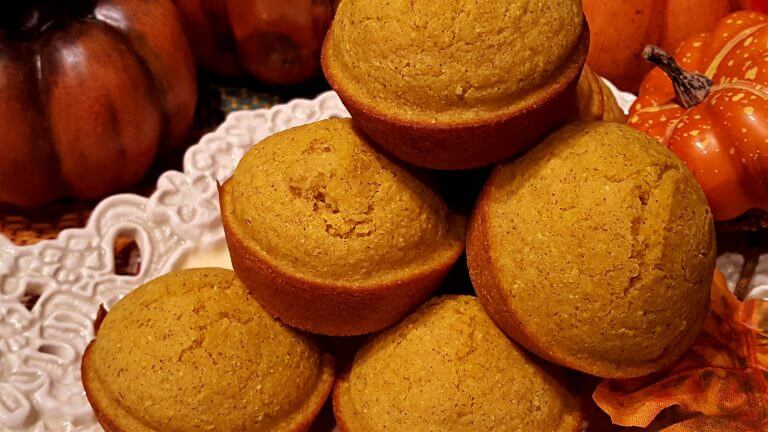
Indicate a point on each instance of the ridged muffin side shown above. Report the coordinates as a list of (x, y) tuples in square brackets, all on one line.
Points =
[(192, 350), (418, 79), (333, 237)]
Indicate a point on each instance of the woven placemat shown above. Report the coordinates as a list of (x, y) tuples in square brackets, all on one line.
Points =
[(29, 227), (217, 98)]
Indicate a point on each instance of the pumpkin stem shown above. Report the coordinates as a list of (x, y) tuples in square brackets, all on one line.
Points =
[(691, 88)]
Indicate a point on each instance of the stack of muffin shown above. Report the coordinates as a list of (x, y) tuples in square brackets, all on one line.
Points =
[(593, 251)]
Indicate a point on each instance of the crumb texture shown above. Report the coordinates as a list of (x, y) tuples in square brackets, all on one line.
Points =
[(451, 56), (314, 197), (604, 246), (193, 351), (447, 367)]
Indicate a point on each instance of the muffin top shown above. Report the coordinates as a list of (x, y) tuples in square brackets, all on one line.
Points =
[(447, 367), (604, 246), (451, 59), (193, 351), (319, 202)]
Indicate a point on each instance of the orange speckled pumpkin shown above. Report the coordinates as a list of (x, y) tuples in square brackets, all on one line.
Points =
[(276, 41), (90, 90), (722, 134)]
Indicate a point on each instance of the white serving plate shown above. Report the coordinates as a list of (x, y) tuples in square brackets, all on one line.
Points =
[(177, 226)]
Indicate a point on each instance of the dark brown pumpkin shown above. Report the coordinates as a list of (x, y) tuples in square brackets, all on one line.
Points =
[(89, 92), (276, 41)]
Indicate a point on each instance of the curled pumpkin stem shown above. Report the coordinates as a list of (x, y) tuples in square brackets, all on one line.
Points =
[(691, 88)]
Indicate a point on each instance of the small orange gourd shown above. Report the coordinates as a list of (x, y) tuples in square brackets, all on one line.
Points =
[(715, 119)]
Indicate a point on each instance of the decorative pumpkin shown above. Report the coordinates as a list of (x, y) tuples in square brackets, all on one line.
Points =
[(276, 41), (715, 121), (596, 100), (620, 29), (89, 92)]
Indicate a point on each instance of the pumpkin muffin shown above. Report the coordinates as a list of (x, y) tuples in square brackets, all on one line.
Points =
[(332, 237), (595, 250), (454, 84), (596, 100), (193, 351), (447, 367)]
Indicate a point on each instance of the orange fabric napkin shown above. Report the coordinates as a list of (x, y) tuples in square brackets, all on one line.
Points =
[(722, 382)]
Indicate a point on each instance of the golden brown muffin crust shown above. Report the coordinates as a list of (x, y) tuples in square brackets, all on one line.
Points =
[(193, 351), (320, 202), (333, 237), (452, 60), (457, 84), (447, 367), (595, 250)]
